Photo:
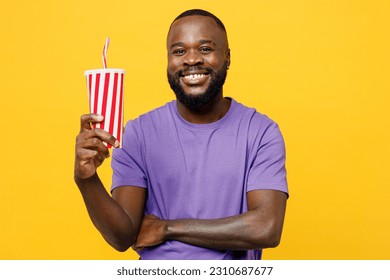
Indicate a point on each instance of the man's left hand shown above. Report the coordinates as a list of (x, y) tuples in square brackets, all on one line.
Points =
[(152, 233)]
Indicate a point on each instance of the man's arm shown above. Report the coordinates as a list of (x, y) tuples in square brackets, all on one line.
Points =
[(118, 218), (260, 227)]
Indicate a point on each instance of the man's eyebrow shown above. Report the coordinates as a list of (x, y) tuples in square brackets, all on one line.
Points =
[(207, 42), (181, 44), (178, 44)]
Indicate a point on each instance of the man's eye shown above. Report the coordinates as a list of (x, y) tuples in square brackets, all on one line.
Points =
[(178, 52), (205, 49)]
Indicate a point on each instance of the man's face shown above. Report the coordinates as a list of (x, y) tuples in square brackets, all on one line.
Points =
[(198, 57)]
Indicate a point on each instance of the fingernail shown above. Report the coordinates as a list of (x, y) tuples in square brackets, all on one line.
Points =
[(116, 144)]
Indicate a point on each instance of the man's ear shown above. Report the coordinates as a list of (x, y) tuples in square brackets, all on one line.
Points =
[(227, 57)]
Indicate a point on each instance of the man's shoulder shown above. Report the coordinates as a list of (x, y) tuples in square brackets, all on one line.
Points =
[(158, 111), (158, 115), (254, 116)]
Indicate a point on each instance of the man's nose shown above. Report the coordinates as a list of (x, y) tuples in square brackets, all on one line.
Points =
[(193, 58)]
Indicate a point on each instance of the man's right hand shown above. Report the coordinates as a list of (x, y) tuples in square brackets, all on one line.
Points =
[(118, 217), (90, 149)]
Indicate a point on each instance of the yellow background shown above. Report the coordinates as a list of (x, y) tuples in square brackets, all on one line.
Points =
[(318, 68)]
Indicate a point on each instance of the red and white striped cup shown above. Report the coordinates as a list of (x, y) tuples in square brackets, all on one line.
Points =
[(105, 92)]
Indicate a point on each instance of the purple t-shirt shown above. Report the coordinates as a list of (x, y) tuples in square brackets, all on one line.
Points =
[(199, 171)]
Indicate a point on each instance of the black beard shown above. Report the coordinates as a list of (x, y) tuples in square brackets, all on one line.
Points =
[(198, 101)]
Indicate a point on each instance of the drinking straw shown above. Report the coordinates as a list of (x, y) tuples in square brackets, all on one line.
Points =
[(105, 52)]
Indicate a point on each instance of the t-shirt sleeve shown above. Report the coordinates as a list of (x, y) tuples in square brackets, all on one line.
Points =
[(267, 170), (127, 162)]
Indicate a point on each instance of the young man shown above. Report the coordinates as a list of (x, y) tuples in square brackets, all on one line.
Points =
[(202, 177)]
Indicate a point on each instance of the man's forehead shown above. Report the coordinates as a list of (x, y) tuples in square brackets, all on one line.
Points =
[(194, 19), (196, 23)]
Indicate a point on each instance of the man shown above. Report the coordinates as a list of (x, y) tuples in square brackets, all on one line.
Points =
[(202, 177)]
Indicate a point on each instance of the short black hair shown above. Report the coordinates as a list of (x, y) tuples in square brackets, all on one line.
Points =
[(199, 12)]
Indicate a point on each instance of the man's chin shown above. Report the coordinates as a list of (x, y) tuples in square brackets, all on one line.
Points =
[(194, 93), (194, 90), (195, 101), (196, 97)]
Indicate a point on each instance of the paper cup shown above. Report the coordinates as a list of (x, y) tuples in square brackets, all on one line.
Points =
[(105, 92)]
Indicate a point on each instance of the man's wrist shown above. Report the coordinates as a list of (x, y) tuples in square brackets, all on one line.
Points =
[(85, 182), (168, 229)]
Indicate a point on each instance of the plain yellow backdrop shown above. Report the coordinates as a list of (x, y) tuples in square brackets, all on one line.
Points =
[(318, 68)]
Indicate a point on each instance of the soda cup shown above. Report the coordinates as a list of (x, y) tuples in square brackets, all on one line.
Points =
[(105, 92)]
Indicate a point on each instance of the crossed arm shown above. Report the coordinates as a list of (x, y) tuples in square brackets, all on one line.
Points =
[(120, 219), (121, 222), (260, 227)]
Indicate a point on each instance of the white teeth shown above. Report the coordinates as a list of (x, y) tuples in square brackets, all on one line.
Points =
[(193, 76)]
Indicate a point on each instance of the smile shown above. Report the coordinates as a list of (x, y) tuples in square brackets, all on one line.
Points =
[(193, 77), (196, 79)]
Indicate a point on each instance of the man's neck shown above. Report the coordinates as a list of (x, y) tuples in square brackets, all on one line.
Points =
[(209, 113)]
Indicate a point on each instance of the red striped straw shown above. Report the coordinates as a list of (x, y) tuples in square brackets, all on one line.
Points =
[(105, 53)]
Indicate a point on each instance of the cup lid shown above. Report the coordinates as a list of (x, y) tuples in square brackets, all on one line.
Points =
[(104, 70)]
